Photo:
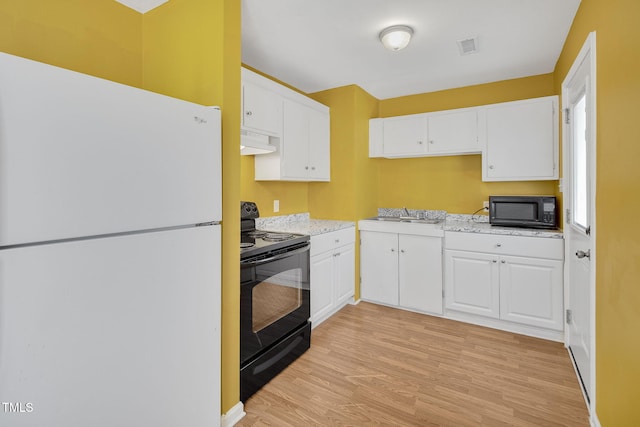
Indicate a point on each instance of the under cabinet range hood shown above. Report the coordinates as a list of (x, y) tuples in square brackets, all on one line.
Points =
[(254, 143)]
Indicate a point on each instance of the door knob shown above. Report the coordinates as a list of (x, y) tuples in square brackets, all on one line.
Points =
[(583, 254)]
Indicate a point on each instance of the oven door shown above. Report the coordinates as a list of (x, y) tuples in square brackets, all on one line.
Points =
[(274, 299)]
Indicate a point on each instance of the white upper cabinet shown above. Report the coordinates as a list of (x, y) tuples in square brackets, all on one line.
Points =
[(261, 109), (404, 136), (518, 140), (453, 132), (521, 140), (299, 128), (442, 133), (305, 151)]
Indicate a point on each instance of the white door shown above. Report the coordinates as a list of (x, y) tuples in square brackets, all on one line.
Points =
[(295, 141), (379, 267), (453, 132), (578, 95), (420, 273), (472, 283), (531, 291), (319, 145), (345, 273), (405, 135), (321, 285), (521, 139), (262, 109)]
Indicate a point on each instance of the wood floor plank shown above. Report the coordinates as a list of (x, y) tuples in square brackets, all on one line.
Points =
[(375, 365)]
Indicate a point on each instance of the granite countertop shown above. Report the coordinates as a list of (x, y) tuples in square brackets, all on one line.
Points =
[(480, 224), (472, 223), (301, 224)]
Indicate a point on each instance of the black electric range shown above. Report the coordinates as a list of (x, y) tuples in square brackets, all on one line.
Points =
[(256, 244)]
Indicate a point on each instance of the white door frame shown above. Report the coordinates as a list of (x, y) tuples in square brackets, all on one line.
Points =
[(588, 52)]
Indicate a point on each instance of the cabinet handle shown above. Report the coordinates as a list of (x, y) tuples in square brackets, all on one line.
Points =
[(249, 113), (337, 240), (583, 254), (420, 142), (338, 254), (313, 168), (490, 166), (393, 250), (431, 142), (503, 261), (402, 250), (498, 245), (495, 261), (306, 168)]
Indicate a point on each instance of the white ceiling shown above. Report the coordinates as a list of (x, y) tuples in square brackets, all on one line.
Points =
[(315, 45), (142, 6)]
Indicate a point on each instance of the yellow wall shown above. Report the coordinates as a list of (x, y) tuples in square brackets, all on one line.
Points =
[(293, 196), (192, 51), (102, 38), (189, 49), (617, 204), (352, 192), (453, 183)]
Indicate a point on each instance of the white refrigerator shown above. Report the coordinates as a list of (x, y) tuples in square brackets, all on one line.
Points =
[(110, 210)]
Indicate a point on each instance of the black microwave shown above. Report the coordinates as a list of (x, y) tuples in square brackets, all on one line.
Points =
[(523, 211)]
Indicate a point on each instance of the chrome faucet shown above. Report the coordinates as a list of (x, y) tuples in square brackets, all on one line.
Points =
[(406, 212)]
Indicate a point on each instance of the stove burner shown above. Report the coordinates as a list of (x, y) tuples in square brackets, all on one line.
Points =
[(276, 237), (256, 234), (244, 245)]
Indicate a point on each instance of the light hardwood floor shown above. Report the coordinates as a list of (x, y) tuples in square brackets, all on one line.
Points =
[(374, 365)]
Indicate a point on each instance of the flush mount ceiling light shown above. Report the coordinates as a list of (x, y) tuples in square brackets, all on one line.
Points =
[(396, 37)]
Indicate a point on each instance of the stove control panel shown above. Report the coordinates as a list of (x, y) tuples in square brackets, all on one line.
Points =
[(248, 210)]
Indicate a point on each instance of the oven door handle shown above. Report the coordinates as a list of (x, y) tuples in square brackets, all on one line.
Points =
[(275, 257)]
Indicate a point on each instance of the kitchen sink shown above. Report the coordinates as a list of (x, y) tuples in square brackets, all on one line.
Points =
[(406, 219), (404, 225)]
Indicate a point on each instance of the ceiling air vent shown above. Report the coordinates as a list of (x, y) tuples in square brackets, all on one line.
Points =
[(468, 46)]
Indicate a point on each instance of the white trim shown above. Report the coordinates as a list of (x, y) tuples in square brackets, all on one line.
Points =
[(587, 50), (233, 415)]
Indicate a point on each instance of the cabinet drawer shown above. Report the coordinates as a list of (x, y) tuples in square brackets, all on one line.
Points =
[(329, 241), (536, 247)]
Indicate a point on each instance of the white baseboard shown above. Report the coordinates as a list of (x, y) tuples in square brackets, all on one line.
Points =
[(233, 415)]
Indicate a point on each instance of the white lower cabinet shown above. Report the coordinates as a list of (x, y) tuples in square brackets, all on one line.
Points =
[(472, 283), (401, 270), (510, 278), (332, 273), (531, 291)]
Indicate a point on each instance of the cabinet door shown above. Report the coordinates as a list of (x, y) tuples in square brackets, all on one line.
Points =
[(344, 270), (405, 136), (379, 267), (472, 283), (295, 141), (319, 145), (420, 273), (531, 291), (322, 277), (453, 132), (261, 109), (521, 140)]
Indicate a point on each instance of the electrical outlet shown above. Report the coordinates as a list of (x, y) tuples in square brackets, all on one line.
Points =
[(276, 206), (485, 205)]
